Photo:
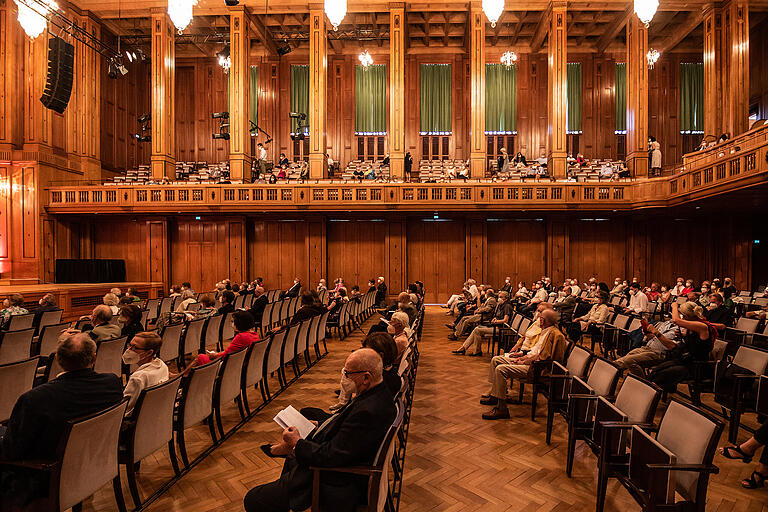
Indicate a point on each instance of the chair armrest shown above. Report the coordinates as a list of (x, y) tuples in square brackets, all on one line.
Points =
[(580, 396), (41, 465), (651, 427), (700, 468), (356, 470)]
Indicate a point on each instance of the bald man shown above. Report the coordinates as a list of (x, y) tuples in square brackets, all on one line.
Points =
[(550, 346), (349, 437), (103, 329)]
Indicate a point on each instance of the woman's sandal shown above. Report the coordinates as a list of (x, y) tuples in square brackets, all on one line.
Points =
[(755, 480), (726, 452)]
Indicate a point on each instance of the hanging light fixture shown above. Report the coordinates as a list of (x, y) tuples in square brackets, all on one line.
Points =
[(652, 56), (180, 12), (509, 58), (645, 9), (33, 15), (224, 59), (365, 58), (493, 10), (335, 10)]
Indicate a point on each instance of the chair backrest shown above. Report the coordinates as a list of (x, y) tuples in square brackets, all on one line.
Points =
[(154, 418), (227, 330), (275, 351), (647, 450), (212, 329), (692, 436), (515, 324), (578, 361), (229, 378), (620, 321), (289, 346), (749, 325), (152, 307), (15, 380), (745, 293), (266, 316), (20, 322), (638, 399), (239, 301), (49, 338), (145, 318), (53, 369), (525, 324), (89, 455), (193, 306), (254, 363), (321, 329), (193, 337), (615, 299), (197, 400), (302, 338), (751, 358), (383, 459), (50, 318), (171, 339), (761, 301), (603, 377), (634, 325), (15, 345), (109, 356), (166, 304)]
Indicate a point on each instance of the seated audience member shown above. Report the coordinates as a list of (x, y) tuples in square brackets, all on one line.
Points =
[(12, 306), (484, 313), (746, 450), (150, 370), (309, 308), (112, 301), (716, 313), (696, 345), (350, 437), (413, 291), (454, 299), (565, 304), (540, 295), (404, 304), (399, 327), (355, 295), (530, 337), (665, 295), (575, 288), (638, 302), (40, 415), (688, 287), (187, 298), (596, 316), (47, 303), (321, 287), (618, 286), (133, 294), (659, 340), (334, 307), (551, 345), (283, 160), (207, 308), (130, 319), (260, 302), (176, 291), (677, 290), (372, 286), (186, 285), (293, 291), (227, 302), (652, 293), (521, 295), (243, 324), (507, 286), (501, 316), (384, 345), (101, 328), (729, 290), (381, 292), (117, 292)]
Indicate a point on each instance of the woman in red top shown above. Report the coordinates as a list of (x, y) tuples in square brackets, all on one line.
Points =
[(244, 326)]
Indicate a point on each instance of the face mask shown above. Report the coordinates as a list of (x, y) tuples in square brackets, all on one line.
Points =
[(130, 357), (390, 329), (704, 290), (507, 281)]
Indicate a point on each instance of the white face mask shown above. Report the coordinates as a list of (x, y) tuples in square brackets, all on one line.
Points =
[(130, 357), (506, 281)]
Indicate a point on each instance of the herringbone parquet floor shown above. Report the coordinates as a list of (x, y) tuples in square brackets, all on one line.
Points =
[(455, 462)]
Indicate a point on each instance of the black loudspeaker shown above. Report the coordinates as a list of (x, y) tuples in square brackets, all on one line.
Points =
[(58, 83), (284, 49)]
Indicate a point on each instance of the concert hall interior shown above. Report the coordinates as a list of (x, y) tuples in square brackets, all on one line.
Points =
[(209, 209)]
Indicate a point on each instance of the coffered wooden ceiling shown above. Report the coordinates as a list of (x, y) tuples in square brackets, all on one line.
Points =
[(431, 27)]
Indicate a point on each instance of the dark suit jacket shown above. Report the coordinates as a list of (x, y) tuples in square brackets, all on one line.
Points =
[(293, 291), (381, 293), (351, 438), (257, 308), (306, 312), (226, 308), (39, 313), (38, 418)]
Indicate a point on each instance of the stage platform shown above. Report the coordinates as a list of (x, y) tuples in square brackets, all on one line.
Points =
[(77, 299)]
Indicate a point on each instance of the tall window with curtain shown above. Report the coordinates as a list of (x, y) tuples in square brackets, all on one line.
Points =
[(371, 100), (500, 99), (620, 95), (299, 95), (691, 97), (573, 98), (254, 94), (435, 105)]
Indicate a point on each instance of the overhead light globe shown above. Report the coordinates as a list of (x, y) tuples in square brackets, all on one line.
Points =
[(509, 58), (335, 10), (653, 57), (365, 58), (33, 15), (645, 9), (180, 12), (493, 10)]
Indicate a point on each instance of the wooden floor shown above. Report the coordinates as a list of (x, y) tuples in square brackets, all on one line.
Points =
[(455, 462)]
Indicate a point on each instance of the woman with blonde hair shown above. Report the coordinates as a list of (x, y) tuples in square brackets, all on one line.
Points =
[(698, 340), (112, 301)]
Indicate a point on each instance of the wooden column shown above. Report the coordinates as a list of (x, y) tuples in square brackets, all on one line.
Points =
[(557, 92), (162, 160), (318, 63), (477, 157), (397, 90), (737, 92), (37, 118), (637, 97), (11, 81), (713, 33), (239, 86)]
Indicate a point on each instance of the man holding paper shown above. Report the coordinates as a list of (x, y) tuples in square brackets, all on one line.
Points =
[(349, 437)]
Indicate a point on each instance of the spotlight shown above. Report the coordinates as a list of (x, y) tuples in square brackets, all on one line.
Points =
[(297, 115), (231, 3), (116, 68), (223, 136), (132, 55), (284, 49), (220, 115), (143, 119)]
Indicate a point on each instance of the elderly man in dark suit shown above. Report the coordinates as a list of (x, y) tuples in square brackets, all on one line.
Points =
[(349, 437)]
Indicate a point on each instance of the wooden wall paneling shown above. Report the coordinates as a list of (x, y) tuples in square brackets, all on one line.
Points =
[(158, 251), (436, 256), (395, 271), (235, 233), (11, 80), (356, 251), (597, 248), (758, 71), (637, 252), (476, 256), (412, 106), (278, 252), (5, 208), (460, 99), (269, 107), (185, 114), (676, 249), (125, 239), (558, 250), (516, 248), (317, 253), (532, 105)]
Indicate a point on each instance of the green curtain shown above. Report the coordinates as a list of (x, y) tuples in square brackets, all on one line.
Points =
[(254, 88), (435, 99), (620, 94), (371, 99), (691, 97), (573, 98), (299, 93), (500, 98)]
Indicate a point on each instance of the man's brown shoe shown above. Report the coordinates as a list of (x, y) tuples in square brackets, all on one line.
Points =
[(497, 413)]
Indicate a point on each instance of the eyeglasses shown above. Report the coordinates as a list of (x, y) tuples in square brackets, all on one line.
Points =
[(347, 373)]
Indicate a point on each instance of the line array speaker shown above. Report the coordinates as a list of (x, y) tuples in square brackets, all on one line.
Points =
[(58, 83)]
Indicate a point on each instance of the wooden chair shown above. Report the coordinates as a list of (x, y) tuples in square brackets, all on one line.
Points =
[(227, 330), (20, 322), (740, 399), (302, 341), (192, 339), (196, 404), (253, 373), (86, 459), (49, 318), (741, 332), (212, 329), (379, 496), (15, 380), (322, 330), (109, 357), (171, 335), (556, 386), (288, 354), (147, 429), (272, 360), (16, 345), (677, 461), (227, 387), (49, 339)]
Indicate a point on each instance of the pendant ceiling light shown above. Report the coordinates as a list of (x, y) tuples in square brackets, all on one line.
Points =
[(509, 58), (33, 15), (493, 10), (335, 10), (180, 12), (645, 9), (365, 58), (652, 56)]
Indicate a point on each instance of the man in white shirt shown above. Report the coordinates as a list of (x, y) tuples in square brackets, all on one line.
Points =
[(638, 301), (540, 295), (575, 289), (151, 370)]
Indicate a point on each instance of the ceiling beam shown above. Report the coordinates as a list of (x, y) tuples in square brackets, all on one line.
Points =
[(614, 28), (681, 31), (262, 32), (518, 28), (541, 30)]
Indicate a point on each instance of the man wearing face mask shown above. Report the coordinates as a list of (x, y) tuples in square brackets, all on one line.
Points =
[(716, 312), (677, 290), (638, 302), (507, 286), (502, 315), (482, 314), (618, 286), (151, 370), (293, 291)]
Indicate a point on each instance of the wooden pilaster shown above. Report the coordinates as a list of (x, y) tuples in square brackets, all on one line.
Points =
[(239, 86), (737, 45), (713, 33), (318, 63), (557, 91), (162, 160), (637, 97), (477, 158), (396, 127)]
